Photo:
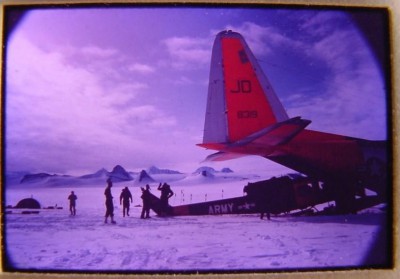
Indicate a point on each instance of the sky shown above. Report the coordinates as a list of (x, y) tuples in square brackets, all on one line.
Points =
[(93, 87)]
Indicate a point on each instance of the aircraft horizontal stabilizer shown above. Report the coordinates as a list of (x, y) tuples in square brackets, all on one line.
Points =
[(276, 134), (268, 138), (223, 156)]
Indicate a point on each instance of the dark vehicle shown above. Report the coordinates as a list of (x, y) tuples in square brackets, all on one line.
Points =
[(285, 194), (277, 195)]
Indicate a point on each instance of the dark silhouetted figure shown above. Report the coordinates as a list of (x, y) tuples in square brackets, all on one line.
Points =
[(166, 193), (268, 214), (109, 202), (72, 203), (125, 199), (146, 202)]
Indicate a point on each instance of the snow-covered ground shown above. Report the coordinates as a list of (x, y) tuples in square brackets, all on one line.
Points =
[(55, 241)]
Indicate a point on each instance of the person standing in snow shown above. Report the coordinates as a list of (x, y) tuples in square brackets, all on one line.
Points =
[(125, 199), (146, 202), (109, 202), (166, 193), (72, 203)]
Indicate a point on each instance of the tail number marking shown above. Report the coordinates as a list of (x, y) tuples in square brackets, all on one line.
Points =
[(247, 114), (242, 86)]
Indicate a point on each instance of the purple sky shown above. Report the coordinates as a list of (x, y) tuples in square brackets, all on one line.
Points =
[(92, 88)]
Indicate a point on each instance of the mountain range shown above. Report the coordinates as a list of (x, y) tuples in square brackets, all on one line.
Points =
[(118, 174)]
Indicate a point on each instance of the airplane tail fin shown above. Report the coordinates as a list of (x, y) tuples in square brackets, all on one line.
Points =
[(241, 100)]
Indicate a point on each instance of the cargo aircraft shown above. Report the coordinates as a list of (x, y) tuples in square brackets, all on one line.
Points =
[(245, 117)]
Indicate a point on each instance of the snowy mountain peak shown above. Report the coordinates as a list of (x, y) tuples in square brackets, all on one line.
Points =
[(205, 169), (32, 178), (144, 177), (118, 169), (211, 170), (119, 174), (226, 170), (208, 174), (155, 170), (102, 173)]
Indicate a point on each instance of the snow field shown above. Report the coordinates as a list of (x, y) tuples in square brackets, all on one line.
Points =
[(53, 240)]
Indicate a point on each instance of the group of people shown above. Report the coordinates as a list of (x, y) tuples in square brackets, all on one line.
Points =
[(126, 199), (166, 193)]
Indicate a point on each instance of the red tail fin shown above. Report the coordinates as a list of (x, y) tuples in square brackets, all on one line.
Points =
[(241, 100)]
